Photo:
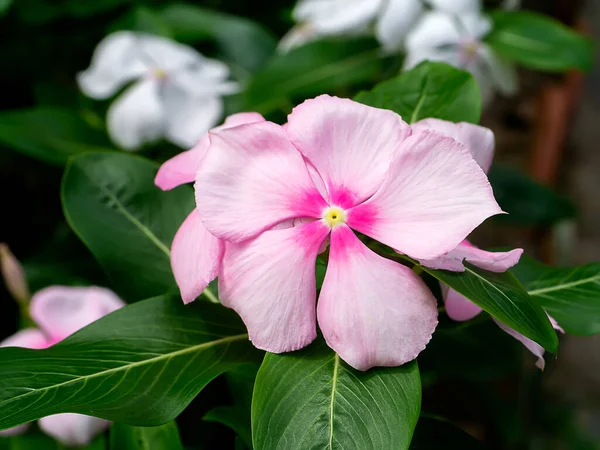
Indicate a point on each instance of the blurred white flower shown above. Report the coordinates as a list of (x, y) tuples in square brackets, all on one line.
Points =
[(176, 95), (457, 40), (391, 19), (511, 4)]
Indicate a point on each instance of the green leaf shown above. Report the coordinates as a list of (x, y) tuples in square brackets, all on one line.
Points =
[(571, 295), (36, 441), (316, 68), (4, 5), (140, 365), (49, 134), (503, 296), (437, 434), (429, 90), (312, 399), (129, 437), (527, 202), (111, 202), (142, 19), (242, 41), (539, 42)]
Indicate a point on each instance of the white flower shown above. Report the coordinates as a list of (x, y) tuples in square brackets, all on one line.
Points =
[(176, 95), (391, 19), (457, 40)]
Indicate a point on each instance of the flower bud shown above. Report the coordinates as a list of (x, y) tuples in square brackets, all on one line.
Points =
[(13, 275)]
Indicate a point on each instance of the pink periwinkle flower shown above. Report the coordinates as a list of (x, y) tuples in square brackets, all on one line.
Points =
[(60, 311), (269, 196), (480, 141)]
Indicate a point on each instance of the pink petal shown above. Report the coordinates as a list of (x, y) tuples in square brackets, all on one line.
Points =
[(555, 324), (270, 282), (351, 145), (433, 196), (458, 307), (73, 430), (532, 346), (478, 140), (62, 310), (372, 311), (15, 431), (195, 257), (27, 338), (182, 168), (253, 178), (494, 262)]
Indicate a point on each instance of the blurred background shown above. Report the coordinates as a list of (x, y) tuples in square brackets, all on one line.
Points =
[(546, 175)]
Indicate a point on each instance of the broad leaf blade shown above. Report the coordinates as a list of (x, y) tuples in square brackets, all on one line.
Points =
[(111, 202), (539, 42), (316, 68), (429, 90), (501, 295), (129, 437), (312, 399), (141, 365), (570, 295)]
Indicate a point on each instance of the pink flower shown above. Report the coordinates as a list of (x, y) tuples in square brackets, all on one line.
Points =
[(480, 141), (60, 311), (195, 254), (338, 166)]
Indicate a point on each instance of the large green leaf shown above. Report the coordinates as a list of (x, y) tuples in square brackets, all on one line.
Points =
[(241, 41), (503, 296), (129, 437), (141, 365), (312, 399), (539, 42), (316, 68), (35, 441), (110, 201), (429, 90), (571, 295), (527, 202), (49, 134)]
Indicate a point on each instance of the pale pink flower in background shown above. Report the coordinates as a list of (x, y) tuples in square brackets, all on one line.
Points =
[(195, 254), (60, 311), (457, 40), (177, 94), (480, 141), (275, 194)]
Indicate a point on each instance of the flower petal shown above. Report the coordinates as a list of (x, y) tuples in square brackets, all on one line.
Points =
[(480, 141), (449, 55), (15, 431), (433, 196), (502, 72), (73, 430), (253, 178), (458, 307), (136, 117), (298, 36), (187, 117), (166, 54), (195, 257), (182, 168), (27, 338), (62, 310), (492, 261), (351, 145), (337, 16), (270, 282), (435, 29), (456, 6), (395, 22), (373, 311), (532, 346), (115, 62)]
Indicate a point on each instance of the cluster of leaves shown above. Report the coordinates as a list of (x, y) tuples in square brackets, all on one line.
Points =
[(144, 364)]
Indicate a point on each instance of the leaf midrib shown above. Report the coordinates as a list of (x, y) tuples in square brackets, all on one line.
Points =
[(561, 287), (336, 365), (166, 356)]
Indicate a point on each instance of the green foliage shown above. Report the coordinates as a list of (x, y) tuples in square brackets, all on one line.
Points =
[(240, 40), (111, 202), (316, 68), (35, 441), (129, 437), (141, 365), (539, 42), (312, 399), (501, 295), (50, 134), (4, 5), (571, 295), (527, 202), (429, 90)]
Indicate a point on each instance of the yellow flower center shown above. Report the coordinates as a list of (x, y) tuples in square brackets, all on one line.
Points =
[(159, 73), (334, 216)]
